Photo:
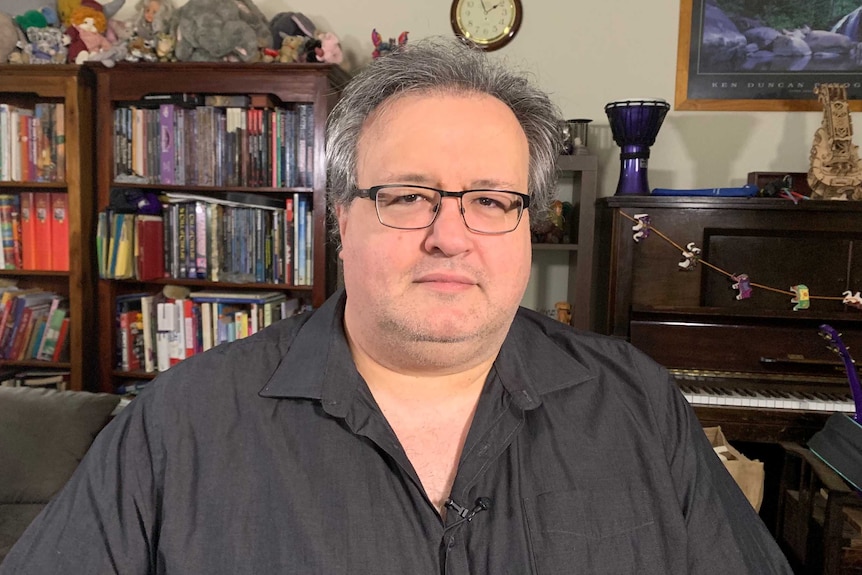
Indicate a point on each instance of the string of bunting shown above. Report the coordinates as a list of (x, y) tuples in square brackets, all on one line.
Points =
[(800, 294)]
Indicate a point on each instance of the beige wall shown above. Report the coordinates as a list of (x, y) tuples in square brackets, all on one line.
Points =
[(587, 53)]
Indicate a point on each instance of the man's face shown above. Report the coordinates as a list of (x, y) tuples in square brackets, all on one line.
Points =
[(444, 283)]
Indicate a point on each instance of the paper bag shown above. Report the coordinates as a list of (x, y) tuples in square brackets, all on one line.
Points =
[(747, 473)]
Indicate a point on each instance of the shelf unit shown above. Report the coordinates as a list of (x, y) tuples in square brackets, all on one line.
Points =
[(579, 260), (72, 86), (315, 84)]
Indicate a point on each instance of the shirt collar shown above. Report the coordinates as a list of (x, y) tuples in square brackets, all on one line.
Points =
[(318, 365)]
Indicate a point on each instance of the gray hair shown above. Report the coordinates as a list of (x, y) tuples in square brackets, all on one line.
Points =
[(435, 65)]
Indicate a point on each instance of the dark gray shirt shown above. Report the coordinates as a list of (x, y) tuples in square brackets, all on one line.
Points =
[(269, 456)]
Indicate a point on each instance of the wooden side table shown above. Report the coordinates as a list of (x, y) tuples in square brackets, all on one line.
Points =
[(818, 516)]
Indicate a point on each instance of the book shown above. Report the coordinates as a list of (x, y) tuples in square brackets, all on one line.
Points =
[(28, 231), (167, 144), (61, 351), (219, 296), (60, 140), (59, 231), (7, 231), (149, 247), (51, 334), (42, 230)]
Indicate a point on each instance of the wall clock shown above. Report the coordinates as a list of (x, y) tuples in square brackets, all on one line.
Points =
[(489, 24)]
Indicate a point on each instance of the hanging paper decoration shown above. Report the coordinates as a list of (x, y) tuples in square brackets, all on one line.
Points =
[(641, 228), (691, 255), (801, 298), (743, 284)]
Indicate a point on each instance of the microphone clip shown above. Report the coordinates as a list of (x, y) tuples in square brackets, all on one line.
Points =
[(481, 504)]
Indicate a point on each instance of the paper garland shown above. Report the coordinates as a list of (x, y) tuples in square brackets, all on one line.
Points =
[(800, 294)]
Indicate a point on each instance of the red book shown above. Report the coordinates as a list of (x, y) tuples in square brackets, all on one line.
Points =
[(189, 327), (149, 247), (61, 349), (59, 231), (42, 225), (28, 231)]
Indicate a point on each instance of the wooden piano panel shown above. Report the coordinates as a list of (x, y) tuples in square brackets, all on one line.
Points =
[(762, 425), (738, 343)]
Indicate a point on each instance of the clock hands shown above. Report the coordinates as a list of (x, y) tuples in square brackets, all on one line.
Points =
[(494, 7)]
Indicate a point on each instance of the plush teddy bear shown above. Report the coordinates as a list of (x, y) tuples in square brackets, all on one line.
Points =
[(213, 30)]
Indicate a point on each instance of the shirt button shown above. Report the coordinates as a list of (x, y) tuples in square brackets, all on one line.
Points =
[(451, 543)]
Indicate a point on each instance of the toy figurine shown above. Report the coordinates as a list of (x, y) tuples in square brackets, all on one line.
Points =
[(802, 298), (152, 17), (552, 229), (743, 284), (691, 253), (641, 228), (853, 299), (382, 48), (564, 312)]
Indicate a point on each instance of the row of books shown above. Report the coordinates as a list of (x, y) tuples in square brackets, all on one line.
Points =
[(34, 230), (260, 240), (32, 143), (210, 145), (155, 332), (34, 324)]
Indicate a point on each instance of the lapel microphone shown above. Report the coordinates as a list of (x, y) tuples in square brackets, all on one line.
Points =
[(481, 504)]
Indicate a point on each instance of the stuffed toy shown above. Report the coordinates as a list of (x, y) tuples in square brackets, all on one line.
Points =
[(286, 24), (328, 50), (66, 7), (165, 47), (87, 33), (319, 46), (86, 30), (44, 46), (220, 30), (10, 35), (140, 49), (292, 49), (382, 48)]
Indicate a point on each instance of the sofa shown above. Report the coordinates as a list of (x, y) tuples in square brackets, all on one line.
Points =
[(44, 434)]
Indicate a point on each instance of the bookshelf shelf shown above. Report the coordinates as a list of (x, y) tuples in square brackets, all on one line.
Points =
[(26, 86), (129, 91), (565, 271)]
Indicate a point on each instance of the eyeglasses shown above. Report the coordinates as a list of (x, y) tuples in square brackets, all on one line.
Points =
[(409, 207)]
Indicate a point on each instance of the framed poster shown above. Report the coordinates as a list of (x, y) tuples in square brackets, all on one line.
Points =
[(763, 55)]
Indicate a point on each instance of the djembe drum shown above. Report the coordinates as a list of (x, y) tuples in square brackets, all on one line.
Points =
[(635, 125)]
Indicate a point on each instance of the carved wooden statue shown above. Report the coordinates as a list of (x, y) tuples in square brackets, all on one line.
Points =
[(835, 173)]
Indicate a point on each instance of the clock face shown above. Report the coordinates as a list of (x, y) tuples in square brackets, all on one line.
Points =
[(490, 24)]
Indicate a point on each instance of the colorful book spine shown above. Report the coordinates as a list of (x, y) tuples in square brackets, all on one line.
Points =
[(59, 231)]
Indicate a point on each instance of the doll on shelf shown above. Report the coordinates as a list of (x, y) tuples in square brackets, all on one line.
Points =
[(152, 17)]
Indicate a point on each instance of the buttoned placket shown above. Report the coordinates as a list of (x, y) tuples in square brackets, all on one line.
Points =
[(457, 533)]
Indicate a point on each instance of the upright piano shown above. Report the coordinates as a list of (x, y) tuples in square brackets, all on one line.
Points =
[(756, 366)]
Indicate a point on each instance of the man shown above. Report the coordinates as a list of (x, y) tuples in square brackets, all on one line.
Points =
[(418, 422)]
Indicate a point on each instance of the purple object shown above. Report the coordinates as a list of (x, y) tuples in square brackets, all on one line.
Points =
[(635, 125)]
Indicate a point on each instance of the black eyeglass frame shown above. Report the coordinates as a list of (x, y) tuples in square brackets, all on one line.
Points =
[(371, 194)]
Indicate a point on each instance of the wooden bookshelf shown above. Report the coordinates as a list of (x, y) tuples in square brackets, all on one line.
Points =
[(72, 86), (289, 84)]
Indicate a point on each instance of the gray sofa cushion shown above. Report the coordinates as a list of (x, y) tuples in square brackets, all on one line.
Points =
[(44, 434)]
